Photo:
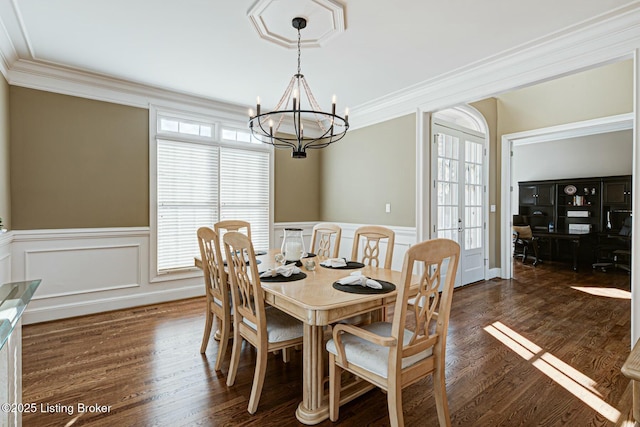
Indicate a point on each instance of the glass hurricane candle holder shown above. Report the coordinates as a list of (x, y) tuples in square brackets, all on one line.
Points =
[(292, 244)]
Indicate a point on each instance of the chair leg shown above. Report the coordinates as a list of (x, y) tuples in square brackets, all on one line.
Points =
[(235, 356), (207, 330), (335, 373), (225, 334), (440, 394), (286, 355), (258, 381), (394, 402)]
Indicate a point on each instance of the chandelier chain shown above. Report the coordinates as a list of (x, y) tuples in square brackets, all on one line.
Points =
[(298, 50)]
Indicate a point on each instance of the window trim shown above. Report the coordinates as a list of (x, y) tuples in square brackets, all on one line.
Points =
[(212, 117)]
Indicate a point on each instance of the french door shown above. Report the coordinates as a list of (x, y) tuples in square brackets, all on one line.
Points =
[(458, 159)]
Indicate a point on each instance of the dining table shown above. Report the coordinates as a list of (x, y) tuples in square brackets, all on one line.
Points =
[(318, 304)]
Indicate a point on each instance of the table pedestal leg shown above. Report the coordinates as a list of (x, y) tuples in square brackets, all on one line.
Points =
[(314, 407)]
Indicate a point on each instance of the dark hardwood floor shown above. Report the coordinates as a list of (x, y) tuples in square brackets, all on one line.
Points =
[(543, 349)]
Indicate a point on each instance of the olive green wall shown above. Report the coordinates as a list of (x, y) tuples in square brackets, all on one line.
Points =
[(368, 168), (297, 185), (77, 163), (600, 92), (5, 170)]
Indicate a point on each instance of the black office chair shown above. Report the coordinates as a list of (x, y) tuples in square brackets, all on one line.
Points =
[(614, 250)]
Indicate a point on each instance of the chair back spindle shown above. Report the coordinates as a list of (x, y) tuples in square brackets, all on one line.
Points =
[(322, 234), (373, 235)]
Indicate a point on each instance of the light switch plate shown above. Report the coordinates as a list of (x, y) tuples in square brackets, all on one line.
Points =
[(387, 208)]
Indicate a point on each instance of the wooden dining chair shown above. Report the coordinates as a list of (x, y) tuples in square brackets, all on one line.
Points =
[(371, 235), (322, 235), (216, 290), (225, 226), (267, 329), (392, 356)]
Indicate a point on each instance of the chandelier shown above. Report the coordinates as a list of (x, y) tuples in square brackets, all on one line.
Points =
[(304, 125)]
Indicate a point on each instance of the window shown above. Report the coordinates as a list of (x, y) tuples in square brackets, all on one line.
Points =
[(238, 135), (186, 127), (201, 179)]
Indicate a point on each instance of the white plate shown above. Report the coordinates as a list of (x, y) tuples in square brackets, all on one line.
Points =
[(570, 190)]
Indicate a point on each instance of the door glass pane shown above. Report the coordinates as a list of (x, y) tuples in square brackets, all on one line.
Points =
[(447, 186), (473, 195)]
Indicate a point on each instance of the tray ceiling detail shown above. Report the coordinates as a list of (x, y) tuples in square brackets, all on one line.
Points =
[(272, 21)]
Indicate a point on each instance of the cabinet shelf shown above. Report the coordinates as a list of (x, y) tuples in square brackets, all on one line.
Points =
[(544, 202)]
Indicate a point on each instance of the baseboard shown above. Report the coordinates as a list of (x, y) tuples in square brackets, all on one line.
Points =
[(83, 308), (492, 273)]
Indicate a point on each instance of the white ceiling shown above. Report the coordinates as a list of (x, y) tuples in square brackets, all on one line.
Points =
[(210, 48)]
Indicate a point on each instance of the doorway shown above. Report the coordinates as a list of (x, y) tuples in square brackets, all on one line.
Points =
[(570, 130), (458, 176)]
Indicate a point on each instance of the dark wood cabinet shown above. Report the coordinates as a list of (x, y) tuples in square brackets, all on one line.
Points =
[(579, 211), (616, 191), (527, 195), (616, 202), (576, 203), (568, 214), (546, 194), (537, 194), (537, 203)]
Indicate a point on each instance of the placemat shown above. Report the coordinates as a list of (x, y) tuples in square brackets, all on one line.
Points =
[(279, 278), (309, 255), (350, 266), (358, 289)]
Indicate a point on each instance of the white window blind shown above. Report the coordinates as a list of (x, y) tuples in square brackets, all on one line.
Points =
[(187, 194), (201, 179), (244, 191)]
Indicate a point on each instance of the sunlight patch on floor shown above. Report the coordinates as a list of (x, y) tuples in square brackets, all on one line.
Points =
[(605, 292), (570, 379)]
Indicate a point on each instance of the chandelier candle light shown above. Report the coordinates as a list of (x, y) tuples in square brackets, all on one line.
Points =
[(323, 128)]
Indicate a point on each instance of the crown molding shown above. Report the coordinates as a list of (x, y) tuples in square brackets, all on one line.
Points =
[(68, 81), (597, 126), (604, 39)]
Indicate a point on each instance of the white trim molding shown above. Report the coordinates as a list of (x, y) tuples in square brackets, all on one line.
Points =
[(405, 237), (635, 250), (6, 238), (606, 38), (85, 271)]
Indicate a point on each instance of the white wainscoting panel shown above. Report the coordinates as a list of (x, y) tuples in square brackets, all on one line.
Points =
[(85, 271), (405, 237), (5, 256)]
